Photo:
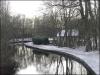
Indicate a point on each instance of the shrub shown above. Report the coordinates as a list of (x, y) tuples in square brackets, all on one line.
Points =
[(40, 40)]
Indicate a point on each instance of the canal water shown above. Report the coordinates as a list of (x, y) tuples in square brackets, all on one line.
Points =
[(32, 61)]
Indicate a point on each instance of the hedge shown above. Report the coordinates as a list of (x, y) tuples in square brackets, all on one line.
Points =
[(40, 40)]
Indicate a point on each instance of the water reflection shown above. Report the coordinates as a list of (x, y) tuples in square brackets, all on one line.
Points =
[(34, 62)]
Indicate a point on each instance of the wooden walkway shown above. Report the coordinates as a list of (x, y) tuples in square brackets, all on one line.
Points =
[(21, 40)]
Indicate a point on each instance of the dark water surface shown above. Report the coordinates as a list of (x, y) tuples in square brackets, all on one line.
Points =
[(33, 62)]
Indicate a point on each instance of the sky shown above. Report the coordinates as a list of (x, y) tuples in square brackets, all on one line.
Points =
[(27, 8)]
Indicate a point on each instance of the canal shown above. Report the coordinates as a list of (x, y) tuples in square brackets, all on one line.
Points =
[(32, 61)]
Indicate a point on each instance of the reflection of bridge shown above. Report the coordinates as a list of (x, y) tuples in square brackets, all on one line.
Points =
[(21, 40)]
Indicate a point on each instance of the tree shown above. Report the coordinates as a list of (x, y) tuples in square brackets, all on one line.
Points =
[(46, 26), (80, 15), (5, 50), (12, 27), (99, 22)]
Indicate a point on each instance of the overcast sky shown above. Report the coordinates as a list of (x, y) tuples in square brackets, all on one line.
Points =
[(27, 8)]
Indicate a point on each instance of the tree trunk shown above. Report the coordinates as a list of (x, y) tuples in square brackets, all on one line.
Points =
[(84, 15), (99, 22)]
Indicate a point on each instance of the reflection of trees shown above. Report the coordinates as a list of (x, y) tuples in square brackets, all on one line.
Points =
[(45, 63), (48, 63), (73, 67), (69, 66), (58, 64), (24, 56), (41, 62)]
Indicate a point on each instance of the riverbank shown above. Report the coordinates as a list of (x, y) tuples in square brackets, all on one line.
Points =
[(90, 58)]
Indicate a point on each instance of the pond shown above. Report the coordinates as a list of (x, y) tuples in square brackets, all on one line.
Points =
[(32, 61)]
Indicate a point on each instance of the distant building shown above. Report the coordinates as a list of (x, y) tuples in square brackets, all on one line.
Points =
[(51, 40), (72, 37), (73, 32)]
